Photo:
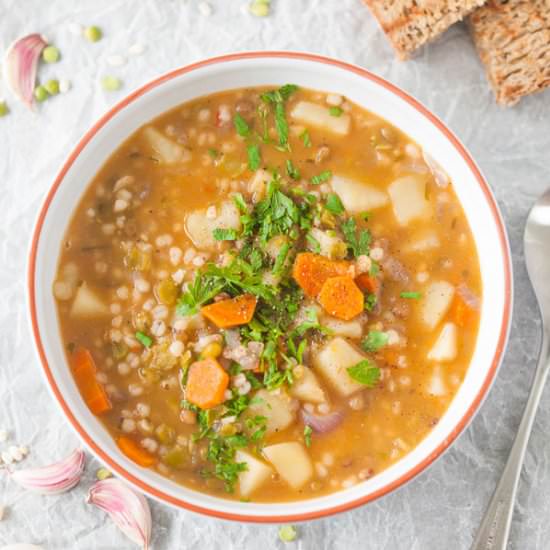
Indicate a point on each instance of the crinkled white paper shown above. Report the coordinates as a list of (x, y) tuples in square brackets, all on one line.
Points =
[(439, 510)]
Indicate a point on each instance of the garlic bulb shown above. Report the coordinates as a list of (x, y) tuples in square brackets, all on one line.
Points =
[(128, 509), (55, 478)]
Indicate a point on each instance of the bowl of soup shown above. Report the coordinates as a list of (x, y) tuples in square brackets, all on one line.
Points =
[(269, 287)]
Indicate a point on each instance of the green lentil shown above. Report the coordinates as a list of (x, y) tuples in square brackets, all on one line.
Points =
[(3, 108), (40, 93), (111, 83), (93, 33), (51, 54), (52, 86)]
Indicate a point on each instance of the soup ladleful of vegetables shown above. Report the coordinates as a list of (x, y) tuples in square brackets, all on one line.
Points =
[(268, 294)]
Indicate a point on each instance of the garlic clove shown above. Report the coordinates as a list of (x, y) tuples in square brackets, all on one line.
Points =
[(127, 508), (21, 64), (55, 478)]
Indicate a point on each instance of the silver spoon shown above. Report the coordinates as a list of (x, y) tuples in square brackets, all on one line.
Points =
[(495, 527)]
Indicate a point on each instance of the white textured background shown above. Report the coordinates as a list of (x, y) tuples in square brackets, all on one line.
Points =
[(442, 507)]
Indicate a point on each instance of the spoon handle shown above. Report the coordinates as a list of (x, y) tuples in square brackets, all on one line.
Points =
[(495, 527)]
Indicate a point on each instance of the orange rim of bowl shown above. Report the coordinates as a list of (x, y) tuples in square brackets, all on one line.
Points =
[(418, 468)]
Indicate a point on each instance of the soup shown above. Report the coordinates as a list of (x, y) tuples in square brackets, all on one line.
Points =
[(268, 294)]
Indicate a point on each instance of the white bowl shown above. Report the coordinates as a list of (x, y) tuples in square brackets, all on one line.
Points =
[(259, 69)]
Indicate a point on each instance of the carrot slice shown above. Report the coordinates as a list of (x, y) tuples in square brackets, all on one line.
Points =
[(84, 372), (461, 313), (206, 384), (134, 452), (341, 297), (232, 312), (367, 283), (311, 271)]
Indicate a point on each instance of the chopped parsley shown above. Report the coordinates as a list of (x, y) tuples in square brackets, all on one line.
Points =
[(254, 157), (221, 452), (335, 111), (375, 340), (213, 153), (314, 244), (358, 241), (241, 125), (370, 301), (306, 140), (292, 171), (280, 260), (411, 295), (322, 177), (277, 98), (334, 204), (307, 435), (143, 339), (224, 234), (240, 203), (365, 372)]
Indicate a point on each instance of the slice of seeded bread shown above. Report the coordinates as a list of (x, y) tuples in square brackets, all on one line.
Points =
[(411, 23), (513, 41)]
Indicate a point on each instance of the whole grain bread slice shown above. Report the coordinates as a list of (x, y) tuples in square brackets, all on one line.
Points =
[(513, 41), (411, 23)]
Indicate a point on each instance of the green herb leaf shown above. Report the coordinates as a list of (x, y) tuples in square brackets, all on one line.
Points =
[(307, 435), (292, 171), (240, 203), (334, 204), (370, 302), (281, 124), (143, 339), (254, 157), (411, 295), (241, 125), (306, 140), (365, 372), (358, 242), (335, 111), (213, 153), (322, 177), (220, 234), (202, 290), (314, 243), (375, 340), (279, 264)]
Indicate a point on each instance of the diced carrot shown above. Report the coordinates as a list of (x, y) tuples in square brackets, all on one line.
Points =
[(206, 384), (461, 313), (391, 357), (341, 297), (367, 283), (134, 452), (311, 271), (232, 312), (84, 372)]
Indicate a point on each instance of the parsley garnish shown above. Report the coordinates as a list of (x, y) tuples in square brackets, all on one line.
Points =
[(411, 295), (311, 323), (254, 157), (221, 452), (334, 204), (240, 203), (292, 171), (213, 153), (358, 243), (278, 98), (143, 339), (320, 178), (375, 340), (307, 435), (314, 243), (241, 125), (335, 111), (304, 136), (279, 264), (365, 373), (370, 301), (200, 291), (224, 234)]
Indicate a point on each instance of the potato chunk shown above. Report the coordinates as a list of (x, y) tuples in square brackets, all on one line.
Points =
[(169, 151), (307, 388), (444, 348), (436, 384), (291, 462), (199, 227), (276, 406), (422, 242), (408, 195), (332, 363), (256, 474), (357, 196), (319, 116), (87, 304), (331, 246), (436, 302), (349, 329)]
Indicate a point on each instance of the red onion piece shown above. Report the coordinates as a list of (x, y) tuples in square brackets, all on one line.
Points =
[(468, 296), (322, 423)]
